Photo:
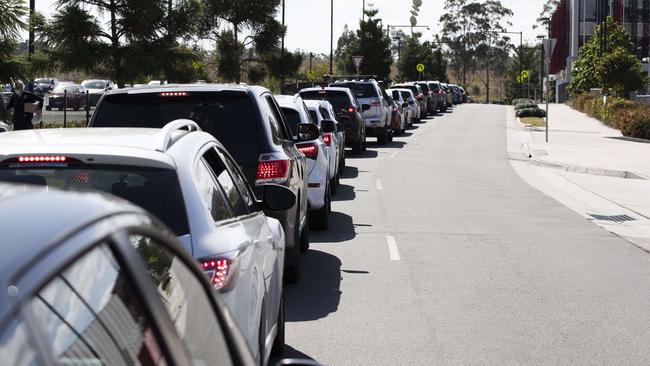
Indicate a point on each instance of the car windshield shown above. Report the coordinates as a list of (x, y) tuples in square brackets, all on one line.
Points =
[(338, 99), (293, 118), (360, 90), (156, 190), (66, 88), (228, 116), (95, 84)]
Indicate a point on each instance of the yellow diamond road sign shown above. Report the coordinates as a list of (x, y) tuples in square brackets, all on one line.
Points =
[(310, 74), (420, 67), (525, 74)]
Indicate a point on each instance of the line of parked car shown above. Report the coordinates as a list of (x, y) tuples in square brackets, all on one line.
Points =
[(239, 176)]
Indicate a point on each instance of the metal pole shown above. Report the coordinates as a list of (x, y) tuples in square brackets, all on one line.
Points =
[(30, 46), (331, 37), (282, 51), (548, 75), (521, 63), (65, 108), (363, 13)]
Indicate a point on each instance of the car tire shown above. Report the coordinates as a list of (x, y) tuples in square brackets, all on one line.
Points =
[(278, 342), (60, 109), (358, 147), (261, 335), (390, 136), (333, 185), (291, 273), (383, 138), (48, 108), (319, 219)]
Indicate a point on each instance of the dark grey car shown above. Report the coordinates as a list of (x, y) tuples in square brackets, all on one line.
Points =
[(103, 283)]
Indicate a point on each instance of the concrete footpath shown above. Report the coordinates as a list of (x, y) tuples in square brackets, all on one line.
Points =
[(589, 167)]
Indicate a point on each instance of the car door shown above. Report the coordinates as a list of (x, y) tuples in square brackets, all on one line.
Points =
[(246, 302)]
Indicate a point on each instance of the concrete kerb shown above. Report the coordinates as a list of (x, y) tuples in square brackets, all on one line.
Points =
[(530, 153)]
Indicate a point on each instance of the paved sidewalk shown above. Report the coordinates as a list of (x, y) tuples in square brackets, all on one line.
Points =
[(589, 167)]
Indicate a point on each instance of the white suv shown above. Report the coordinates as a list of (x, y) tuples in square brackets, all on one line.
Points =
[(318, 161), (321, 113), (187, 179)]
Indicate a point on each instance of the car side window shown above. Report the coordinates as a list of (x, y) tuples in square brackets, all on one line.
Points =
[(210, 192), (91, 314), (16, 346), (188, 303), (227, 183), (283, 130), (239, 179), (324, 113)]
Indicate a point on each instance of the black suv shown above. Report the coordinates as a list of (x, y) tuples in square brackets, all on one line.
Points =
[(248, 122), (348, 111)]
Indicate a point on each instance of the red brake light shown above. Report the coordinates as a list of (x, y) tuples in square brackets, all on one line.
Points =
[(327, 138), (173, 94), (309, 150), (272, 170), (42, 159), (219, 271), (351, 109)]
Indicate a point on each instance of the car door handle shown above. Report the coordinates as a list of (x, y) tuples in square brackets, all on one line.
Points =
[(257, 243)]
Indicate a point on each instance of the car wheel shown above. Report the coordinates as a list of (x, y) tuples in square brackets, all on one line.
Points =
[(333, 185), (291, 273), (319, 218), (304, 240), (278, 342), (390, 136), (60, 109), (48, 108), (383, 138), (358, 147)]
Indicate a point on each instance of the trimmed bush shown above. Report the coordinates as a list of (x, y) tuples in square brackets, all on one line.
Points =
[(631, 118), (531, 112)]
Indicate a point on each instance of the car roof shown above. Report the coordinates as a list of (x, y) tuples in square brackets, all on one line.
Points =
[(22, 243), (131, 142), (317, 103), (328, 88), (144, 89)]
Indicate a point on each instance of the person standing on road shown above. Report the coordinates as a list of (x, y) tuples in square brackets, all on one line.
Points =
[(21, 97)]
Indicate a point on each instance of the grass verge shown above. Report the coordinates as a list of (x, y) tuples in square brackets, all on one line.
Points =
[(533, 121)]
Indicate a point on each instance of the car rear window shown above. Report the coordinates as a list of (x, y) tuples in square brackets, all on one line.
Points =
[(66, 88), (293, 118), (338, 99), (156, 190), (228, 116), (424, 86), (434, 86), (360, 90), (405, 95)]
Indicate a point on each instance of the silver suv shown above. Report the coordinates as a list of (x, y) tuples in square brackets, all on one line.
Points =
[(378, 109)]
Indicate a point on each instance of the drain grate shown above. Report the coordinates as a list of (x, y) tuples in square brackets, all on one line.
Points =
[(614, 218)]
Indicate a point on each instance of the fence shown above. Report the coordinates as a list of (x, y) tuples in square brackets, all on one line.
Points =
[(69, 110)]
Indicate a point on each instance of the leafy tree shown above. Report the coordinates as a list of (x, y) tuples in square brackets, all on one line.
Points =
[(547, 10), (531, 58), (138, 32), (12, 22), (414, 52), (371, 42), (615, 68), (466, 25), (493, 62), (238, 27)]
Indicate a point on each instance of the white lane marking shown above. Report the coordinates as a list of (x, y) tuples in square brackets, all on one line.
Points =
[(392, 248), (393, 154), (379, 186)]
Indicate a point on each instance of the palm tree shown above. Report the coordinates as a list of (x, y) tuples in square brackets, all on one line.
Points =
[(12, 22)]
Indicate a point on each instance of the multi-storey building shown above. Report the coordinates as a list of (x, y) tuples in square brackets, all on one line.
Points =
[(574, 22)]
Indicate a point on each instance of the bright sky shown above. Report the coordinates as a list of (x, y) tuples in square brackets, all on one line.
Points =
[(308, 21)]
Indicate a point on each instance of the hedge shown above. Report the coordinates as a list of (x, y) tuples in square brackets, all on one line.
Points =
[(631, 118), (527, 108)]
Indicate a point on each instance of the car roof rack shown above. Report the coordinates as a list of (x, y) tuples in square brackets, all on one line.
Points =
[(167, 134), (350, 77)]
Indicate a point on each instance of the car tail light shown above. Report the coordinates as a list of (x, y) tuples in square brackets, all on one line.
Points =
[(419, 96), (220, 272), (375, 103), (272, 171), (310, 150), (327, 138), (351, 110), (42, 159), (173, 94)]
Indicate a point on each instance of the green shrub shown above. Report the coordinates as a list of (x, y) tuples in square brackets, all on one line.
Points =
[(531, 112), (631, 118)]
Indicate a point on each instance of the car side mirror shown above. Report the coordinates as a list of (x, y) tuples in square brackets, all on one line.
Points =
[(308, 132), (327, 126), (278, 198), (365, 107), (340, 127), (411, 102)]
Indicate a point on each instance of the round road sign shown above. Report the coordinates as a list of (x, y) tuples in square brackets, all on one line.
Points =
[(525, 74), (420, 67)]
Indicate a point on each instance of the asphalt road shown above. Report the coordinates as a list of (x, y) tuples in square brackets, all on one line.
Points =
[(438, 253)]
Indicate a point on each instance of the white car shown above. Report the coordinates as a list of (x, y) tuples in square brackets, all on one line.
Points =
[(409, 97), (319, 188), (97, 88), (186, 178), (321, 113), (401, 98)]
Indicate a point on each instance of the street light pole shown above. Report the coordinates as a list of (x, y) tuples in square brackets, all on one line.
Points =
[(363, 13), (332, 37), (282, 52), (30, 46)]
